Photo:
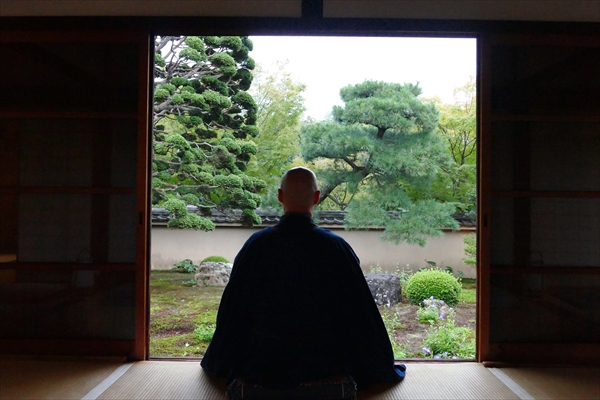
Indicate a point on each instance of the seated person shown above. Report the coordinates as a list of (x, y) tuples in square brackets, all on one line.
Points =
[(297, 306)]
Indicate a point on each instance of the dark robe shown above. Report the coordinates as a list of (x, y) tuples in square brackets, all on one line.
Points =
[(297, 307)]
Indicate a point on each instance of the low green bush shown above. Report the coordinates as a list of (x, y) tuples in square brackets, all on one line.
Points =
[(186, 266), (215, 259), (204, 332), (433, 282), (427, 315), (449, 341), (191, 282)]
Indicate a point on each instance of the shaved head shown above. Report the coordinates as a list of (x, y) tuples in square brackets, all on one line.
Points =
[(299, 191)]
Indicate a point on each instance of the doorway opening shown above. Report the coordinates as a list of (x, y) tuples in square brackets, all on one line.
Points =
[(232, 114)]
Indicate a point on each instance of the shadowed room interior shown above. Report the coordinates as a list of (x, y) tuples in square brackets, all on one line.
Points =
[(75, 166)]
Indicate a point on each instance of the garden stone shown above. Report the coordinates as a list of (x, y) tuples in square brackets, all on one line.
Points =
[(443, 309), (213, 274), (439, 304), (385, 288)]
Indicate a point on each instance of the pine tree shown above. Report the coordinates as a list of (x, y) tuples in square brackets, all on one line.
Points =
[(382, 148), (204, 120)]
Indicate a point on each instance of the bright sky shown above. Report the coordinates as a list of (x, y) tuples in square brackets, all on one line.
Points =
[(326, 64)]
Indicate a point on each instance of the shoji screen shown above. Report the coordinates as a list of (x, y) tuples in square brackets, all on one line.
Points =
[(541, 184), (73, 193)]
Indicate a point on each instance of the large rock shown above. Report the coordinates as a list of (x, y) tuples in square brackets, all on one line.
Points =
[(385, 288), (213, 274)]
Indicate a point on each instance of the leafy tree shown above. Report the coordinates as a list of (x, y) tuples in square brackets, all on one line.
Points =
[(203, 121), (280, 106), (457, 125), (383, 147)]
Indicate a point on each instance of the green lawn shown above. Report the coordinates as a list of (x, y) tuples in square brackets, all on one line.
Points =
[(176, 310), (469, 293)]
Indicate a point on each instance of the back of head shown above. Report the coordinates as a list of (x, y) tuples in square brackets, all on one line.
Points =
[(299, 191)]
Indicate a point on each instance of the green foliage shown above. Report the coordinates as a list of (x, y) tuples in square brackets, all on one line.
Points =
[(175, 206), (382, 151), (433, 282), (181, 218), (279, 104), (449, 341), (195, 43), (373, 269), (215, 259), (399, 350), (186, 266), (427, 315), (203, 122), (233, 42), (456, 181), (404, 275), (223, 59), (159, 60), (191, 54), (204, 332), (216, 100), (191, 221), (392, 322), (245, 100), (470, 241), (161, 94)]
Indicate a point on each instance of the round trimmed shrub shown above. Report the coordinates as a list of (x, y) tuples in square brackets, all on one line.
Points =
[(433, 282), (215, 259)]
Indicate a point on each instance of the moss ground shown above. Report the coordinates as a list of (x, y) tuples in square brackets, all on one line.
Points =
[(469, 293), (177, 309)]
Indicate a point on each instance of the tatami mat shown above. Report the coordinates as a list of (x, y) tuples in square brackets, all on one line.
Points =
[(185, 380), (28, 379), (557, 383), (165, 380), (444, 381)]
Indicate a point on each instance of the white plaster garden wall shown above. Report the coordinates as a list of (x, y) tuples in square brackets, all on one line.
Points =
[(170, 246)]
